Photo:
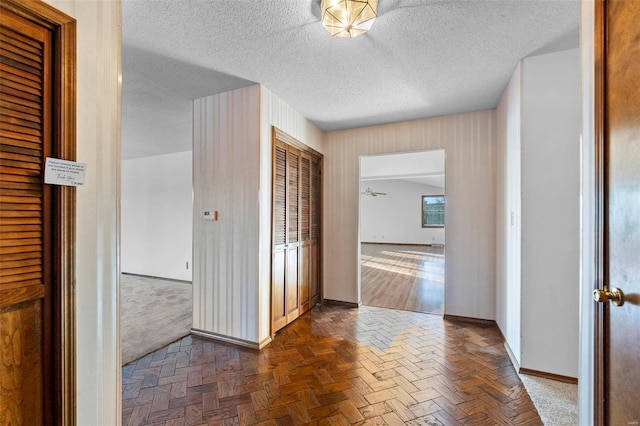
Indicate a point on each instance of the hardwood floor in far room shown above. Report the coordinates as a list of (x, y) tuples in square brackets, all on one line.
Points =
[(407, 277), (334, 366)]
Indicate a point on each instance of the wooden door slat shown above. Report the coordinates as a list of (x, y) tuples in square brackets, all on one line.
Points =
[(5, 112), (6, 53), (17, 102), (23, 131), (4, 228), (29, 34), (20, 263), (19, 136), (19, 93), (7, 179), (24, 165), (14, 153), (18, 79), (35, 146), (17, 39), (21, 256), (19, 242), (13, 105), (16, 171), (12, 62), (4, 214), (14, 278), (30, 188), (19, 207), (19, 192), (12, 45), (19, 249), (20, 235), (21, 122), (12, 199), (21, 270)]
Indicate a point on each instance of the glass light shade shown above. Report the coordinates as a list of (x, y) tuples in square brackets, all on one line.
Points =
[(348, 18)]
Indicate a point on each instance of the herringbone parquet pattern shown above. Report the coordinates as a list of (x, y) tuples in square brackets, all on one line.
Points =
[(334, 366)]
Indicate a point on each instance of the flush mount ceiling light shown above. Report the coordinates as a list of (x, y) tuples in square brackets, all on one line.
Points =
[(348, 18)]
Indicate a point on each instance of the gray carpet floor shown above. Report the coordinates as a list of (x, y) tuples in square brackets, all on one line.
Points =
[(153, 313), (556, 402)]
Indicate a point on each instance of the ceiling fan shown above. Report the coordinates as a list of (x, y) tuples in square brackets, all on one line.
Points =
[(370, 192)]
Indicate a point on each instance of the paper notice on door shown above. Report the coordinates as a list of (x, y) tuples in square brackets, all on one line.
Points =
[(63, 172)]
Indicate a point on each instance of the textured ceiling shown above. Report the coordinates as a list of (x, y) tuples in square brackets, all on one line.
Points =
[(422, 58)]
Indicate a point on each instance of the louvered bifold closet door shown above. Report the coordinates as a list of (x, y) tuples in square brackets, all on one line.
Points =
[(293, 234), (279, 235), (315, 228), (305, 231), (25, 247)]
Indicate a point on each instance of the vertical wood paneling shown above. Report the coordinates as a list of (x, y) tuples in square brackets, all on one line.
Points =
[(226, 159), (508, 215), (470, 175)]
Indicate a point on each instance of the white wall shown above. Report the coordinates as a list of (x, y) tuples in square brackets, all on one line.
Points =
[(470, 161), (396, 217), (508, 216), (588, 273), (551, 212), (156, 210), (97, 209)]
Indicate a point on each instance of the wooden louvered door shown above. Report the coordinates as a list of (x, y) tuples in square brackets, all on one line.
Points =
[(292, 278), (285, 235), (279, 236), (295, 263), (305, 232), (315, 219), (35, 375)]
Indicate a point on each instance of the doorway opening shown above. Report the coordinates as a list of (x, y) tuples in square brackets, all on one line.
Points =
[(401, 233)]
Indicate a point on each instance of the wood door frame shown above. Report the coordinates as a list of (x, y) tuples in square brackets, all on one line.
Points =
[(63, 126), (600, 220)]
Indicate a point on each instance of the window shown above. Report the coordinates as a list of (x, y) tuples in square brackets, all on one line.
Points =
[(433, 211)]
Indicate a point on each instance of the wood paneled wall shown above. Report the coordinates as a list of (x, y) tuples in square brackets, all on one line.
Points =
[(468, 140)]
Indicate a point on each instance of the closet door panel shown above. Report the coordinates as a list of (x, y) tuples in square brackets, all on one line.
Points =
[(279, 236), (293, 234), (315, 209), (278, 290), (305, 231), (296, 249)]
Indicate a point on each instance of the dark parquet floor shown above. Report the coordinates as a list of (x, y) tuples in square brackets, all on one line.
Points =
[(334, 366)]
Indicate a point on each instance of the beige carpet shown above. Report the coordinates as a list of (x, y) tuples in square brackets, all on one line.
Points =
[(556, 402), (153, 313)]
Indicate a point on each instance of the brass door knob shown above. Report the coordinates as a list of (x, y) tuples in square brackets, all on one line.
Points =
[(603, 295)]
